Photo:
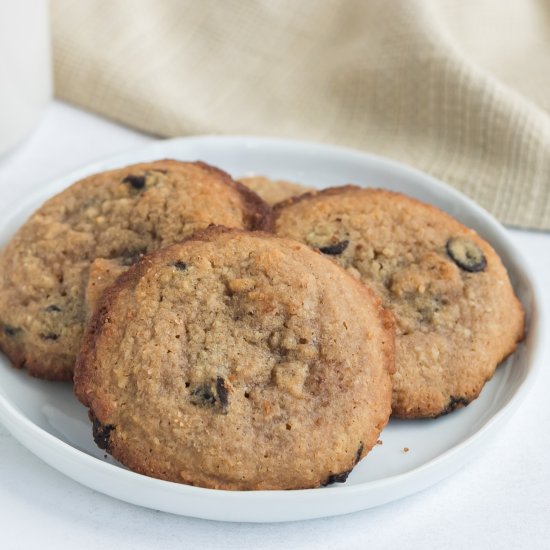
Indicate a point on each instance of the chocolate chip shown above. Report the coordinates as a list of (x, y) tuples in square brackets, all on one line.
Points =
[(223, 394), (454, 403), (180, 266), (11, 331), (358, 453), (336, 478), (49, 336), (102, 434), (53, 309), (334, 249), (466, 254), (203, 395), (137, 182), (206, 395)]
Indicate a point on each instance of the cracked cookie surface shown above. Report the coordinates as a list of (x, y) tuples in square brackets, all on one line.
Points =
[(456, 313), (120, 214), (238, 360)]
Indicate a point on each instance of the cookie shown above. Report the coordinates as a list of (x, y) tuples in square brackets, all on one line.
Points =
[(456, 313), (118, 214), (103, 273), (237, 360), (273, 191)]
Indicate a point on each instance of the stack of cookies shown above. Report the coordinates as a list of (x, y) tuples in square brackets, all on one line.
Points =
[(230, 341)]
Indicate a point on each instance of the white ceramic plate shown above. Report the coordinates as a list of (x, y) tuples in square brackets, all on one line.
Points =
[(47, 418)]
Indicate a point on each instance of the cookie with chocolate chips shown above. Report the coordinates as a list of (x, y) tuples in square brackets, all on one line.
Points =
[(114, 216), (457, 316), (238, 360), (104, 272)]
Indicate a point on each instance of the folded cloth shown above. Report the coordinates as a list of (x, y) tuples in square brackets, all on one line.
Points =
[(457, 89)]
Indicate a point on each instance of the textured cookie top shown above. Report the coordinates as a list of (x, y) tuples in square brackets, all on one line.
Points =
[(118, 214), (456, 313), (273, 191), (237, 360), (104, 272)]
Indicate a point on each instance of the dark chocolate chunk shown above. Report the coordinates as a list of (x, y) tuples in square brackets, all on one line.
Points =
[(358, 453), (343, 476), (336, 478), (207, 395), (137, 182), (203, 395), (180, 266), (223, 394), (11, 331), (466, 254), (455, 403), (53, 309), (334, 249), (102, 434), (49, 336)]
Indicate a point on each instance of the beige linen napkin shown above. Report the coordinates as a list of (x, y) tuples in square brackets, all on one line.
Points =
[(460, 89)]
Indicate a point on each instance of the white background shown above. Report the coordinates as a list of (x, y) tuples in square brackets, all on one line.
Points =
[(500, 500)]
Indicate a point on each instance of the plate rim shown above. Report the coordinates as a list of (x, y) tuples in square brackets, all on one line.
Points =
[(12, 418)]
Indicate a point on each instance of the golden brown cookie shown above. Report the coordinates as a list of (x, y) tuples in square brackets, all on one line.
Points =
[(237, 360), (456, 313), (118, 214), (273, 191), (103, 273)]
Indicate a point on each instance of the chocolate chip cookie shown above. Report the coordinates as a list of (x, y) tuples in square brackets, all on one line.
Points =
[(119, 214), (237, 360), (104, 272), (457, 316), (273, 191)]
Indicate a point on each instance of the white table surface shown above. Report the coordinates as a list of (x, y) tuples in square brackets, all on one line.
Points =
[(500, 500)]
